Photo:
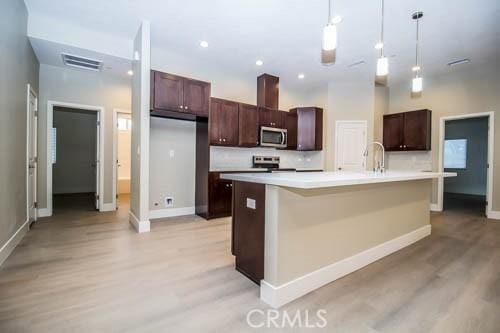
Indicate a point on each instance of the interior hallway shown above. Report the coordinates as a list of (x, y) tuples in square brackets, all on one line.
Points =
[(98, 274)]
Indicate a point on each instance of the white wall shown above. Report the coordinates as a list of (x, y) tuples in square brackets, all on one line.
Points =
[(472, 179), (124, 148), (83, 87), (469, 88), (76, 151), (18, 67)]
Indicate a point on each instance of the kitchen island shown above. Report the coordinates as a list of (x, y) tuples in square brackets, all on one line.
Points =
[(295, 232)]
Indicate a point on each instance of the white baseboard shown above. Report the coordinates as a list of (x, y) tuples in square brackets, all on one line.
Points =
[(44, 212), (277, 296), (140, 226), (11, 244), (435, 208), (108, 207), (494, 214), (170, 212)]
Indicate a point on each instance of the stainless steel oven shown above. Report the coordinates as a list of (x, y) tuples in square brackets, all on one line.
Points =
[(273, 137)]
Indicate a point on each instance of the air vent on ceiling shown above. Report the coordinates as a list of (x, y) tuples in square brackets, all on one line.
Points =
[(458, 62), (80, 62), (356, 64)]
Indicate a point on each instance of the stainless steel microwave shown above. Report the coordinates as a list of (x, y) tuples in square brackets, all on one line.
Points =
[(273, 137)]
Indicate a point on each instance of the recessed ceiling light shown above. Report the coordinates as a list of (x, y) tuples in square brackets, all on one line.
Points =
[(204, 44), (459, 62), (259, 62), (130, 72), (379, 45), (337, 19), (301, 76)]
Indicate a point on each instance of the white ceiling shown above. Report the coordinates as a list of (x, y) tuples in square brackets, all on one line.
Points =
[(286, 34)]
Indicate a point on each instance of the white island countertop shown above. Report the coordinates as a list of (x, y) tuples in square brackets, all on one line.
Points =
[(310, 180)]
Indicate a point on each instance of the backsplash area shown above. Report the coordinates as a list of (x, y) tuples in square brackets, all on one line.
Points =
[(240, 158), (415, 161)]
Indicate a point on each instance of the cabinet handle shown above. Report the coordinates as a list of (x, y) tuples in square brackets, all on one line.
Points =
[(182, 106), (224, 140), (404, 146), (400, 146), (231, 185), (220, 140), (186, 107)]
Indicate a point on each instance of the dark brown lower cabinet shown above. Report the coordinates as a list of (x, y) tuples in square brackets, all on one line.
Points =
[(220, 192), (248, 229)]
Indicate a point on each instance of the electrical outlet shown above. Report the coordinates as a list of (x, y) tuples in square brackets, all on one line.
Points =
[(169, 202), (250, 203)]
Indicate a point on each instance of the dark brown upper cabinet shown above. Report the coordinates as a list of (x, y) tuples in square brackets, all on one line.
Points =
[(223, 122), (175, 96), (408, 131), (290, 122), (268, 91), (248, 125), (270, 118), (309, 128)]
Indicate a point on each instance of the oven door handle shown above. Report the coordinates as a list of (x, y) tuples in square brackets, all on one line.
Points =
[(283, 138)]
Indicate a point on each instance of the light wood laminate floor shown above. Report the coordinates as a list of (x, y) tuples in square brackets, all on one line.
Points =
[(83, 271)]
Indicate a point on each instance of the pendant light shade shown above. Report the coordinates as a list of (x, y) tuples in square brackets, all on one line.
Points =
[(329, 42), (329, 37), (382, 66), (382, 62), (417, 82), (417, 85)]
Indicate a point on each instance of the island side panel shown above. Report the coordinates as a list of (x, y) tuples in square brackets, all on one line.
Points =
[(248, 229), (312, 229)]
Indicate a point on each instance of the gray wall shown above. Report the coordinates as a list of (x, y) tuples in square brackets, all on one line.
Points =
[(81, 87), (472, 179), (76, 151), (18, 67)]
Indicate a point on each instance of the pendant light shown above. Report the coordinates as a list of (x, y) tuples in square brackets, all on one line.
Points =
[(417, 84), (329, 44), (382, 62)]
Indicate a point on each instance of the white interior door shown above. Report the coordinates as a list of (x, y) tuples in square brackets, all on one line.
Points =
[(32, 155), (97, 165), (350, 145)]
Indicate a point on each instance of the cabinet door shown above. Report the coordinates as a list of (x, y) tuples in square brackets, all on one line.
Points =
[(290, 124), (223, 122), (220, 195), (277, 118), (168, 92), (393, 132), (417, 130), (196, 97), (248, 125), (265, 117)]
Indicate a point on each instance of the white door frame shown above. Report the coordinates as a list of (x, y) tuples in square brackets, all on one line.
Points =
[(115, 150), (31, 135), (339, 122), (491, 150), (100, 163)]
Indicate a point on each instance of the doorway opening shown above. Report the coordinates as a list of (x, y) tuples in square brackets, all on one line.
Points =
[(466, 149), (122, 155), (74, 154)]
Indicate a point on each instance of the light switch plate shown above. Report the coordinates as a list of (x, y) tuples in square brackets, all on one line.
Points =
[(172, 153), (250, 203)]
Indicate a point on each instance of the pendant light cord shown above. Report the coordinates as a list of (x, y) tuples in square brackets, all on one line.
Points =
[(382, 29), (329, 11), (417, 45)]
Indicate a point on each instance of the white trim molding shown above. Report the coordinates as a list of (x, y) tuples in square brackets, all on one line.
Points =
[(140, 226), (108, 207), (50, 122), (493, 214), (13, 241), (277, 296), (44, 212), (171, 212), (435, 208), (491, 156), (115, 150)]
